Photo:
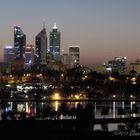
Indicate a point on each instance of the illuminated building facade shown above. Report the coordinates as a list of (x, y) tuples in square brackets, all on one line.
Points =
[(55, 43), (19, 42), (74, 56), (29, 56), (9, 53), (118, 64), (41, 47), (135, 66)]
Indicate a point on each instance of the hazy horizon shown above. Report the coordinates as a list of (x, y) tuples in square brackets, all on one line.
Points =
[(102, 28)]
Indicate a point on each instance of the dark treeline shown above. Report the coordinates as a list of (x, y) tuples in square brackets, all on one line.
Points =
[(47, 113)]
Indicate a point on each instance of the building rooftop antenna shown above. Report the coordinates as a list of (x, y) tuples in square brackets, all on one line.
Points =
[(55, 27), (44, 23)]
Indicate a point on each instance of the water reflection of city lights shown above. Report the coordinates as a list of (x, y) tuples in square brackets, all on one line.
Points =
[(95, 109), (56, 106), (27, 107), (61, 117), (123, 105), (76, 103), (20, 107), (114, 109)]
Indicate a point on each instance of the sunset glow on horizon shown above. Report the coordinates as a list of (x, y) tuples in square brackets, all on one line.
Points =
[(102, 28)]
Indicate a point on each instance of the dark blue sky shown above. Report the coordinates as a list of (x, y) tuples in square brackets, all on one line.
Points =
[(103, 28)]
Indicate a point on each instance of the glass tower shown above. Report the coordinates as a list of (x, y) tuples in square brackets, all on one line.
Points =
[(55, 43), (9, 53), (29, 56), (19, 42), (74, 54), (41, 47)]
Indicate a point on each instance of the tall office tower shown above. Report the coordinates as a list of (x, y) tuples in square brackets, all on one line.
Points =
[(65, 60), (55, 43), (118, 64), (9, 53), (74, 56), (134, 66), (41, 47), (19, 42), (29, 56)]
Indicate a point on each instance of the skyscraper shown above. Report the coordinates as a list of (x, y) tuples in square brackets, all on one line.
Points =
[(9, 53), (118, 64), (74, 56), (55, 43), (19, 42), (41, 47), (29, 56), (65, 60)]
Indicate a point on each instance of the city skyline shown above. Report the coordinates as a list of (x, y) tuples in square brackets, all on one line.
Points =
[(103, 29)]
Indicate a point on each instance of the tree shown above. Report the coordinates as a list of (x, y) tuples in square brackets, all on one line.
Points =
[(105, 111), (63, 109), (121, 111)]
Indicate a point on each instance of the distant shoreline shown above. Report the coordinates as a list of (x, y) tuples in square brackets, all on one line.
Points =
[(69, 100)]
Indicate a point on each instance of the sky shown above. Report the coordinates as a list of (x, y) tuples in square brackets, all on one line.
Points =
[(102, 28)]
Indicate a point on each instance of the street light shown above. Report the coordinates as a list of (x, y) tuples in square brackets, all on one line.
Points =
[(114, 96), (84, 77), (56, 96), (111, 78), (77, 96), (131, 96)]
